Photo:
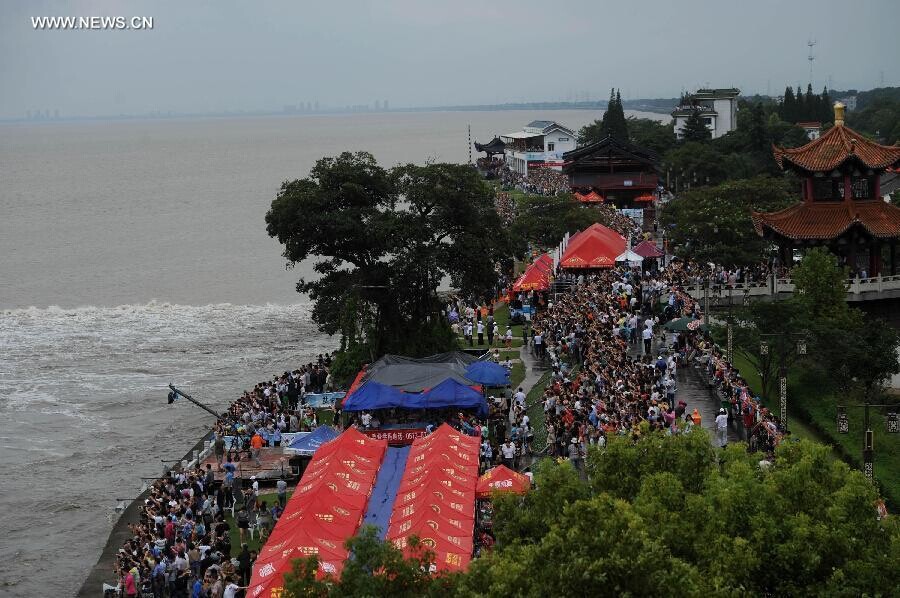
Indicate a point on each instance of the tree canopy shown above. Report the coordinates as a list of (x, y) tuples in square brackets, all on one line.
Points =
[(713, 223), (612, 124), (383, 241), (694, 129), (660, 515)]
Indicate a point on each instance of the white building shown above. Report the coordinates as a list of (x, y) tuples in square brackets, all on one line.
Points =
[(540, 144), (717, 107)]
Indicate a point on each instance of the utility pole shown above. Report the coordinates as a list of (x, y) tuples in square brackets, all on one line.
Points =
[(843, 427), (470, 143)]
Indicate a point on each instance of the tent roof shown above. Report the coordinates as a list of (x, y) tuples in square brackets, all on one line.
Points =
[(307, 445), (488, 373), (416, 374), (502, 479), (448, 393), (647, 249), (537, 276), (629, 256), (595, 247)]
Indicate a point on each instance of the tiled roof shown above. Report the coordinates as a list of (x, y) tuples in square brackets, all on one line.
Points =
[(833, 148), (828, 220)]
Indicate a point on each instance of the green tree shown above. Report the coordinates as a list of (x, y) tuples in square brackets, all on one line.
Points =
[(694, 130), (652, 134), (380, 259), (690, 520), (695, 164), (375, 568), (820, 286), (542, 221), (713, 223), (612, 124), (788, 107)]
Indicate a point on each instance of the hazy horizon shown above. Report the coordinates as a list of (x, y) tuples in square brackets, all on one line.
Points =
[(230, 56)]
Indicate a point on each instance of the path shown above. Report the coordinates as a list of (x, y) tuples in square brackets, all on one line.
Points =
[(381, 502)]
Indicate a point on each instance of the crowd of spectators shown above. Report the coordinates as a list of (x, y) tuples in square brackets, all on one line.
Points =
[(506, 207), (182, 542), (539, 181)]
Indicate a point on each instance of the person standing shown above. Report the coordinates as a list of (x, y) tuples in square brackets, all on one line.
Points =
[(647, 335), (256, 444), (281, 486), (508, 450), (480, 332), (219, 449), (722, 428)]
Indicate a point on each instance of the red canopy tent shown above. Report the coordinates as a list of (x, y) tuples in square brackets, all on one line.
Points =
[(325, 510), (536, 277), (645, 197), (647, 249), (595, 247), (590, 197), (502, 479), (436, 498)]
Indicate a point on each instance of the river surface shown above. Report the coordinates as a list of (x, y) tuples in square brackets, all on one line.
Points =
[(134, 254)]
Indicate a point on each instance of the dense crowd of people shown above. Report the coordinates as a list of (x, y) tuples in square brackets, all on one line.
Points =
[(606, 326), (182, 542), (539, 181)]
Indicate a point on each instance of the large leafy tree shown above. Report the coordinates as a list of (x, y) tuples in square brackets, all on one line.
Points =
[(713, 223), (543, 220), (668, 515), (376, 568), (652, 134), (383, 242)]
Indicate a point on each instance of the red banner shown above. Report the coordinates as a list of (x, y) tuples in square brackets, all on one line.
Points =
[(398, 436)]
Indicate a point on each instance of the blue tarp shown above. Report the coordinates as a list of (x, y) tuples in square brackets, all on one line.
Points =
[(308, 444), (384, 493), (374, 395), (488, 373), (449, 393)]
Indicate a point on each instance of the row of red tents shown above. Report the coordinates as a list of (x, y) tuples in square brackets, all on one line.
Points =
[(595, 247), (325, 510), (436, 498), (592, 196)]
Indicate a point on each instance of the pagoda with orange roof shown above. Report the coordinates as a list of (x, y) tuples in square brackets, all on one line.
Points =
[(842, 208)]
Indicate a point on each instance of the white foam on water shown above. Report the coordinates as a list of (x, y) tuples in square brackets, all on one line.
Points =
[(86, 388)]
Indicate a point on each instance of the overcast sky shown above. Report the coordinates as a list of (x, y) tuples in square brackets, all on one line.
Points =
[(221, 55)]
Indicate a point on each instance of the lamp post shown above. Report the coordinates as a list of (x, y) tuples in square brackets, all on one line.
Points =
[(843, 427), (781, 338)]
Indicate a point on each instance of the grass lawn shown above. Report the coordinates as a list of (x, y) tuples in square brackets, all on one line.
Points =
[(501, 316), (235, 535), (536, 412), (812, 415)]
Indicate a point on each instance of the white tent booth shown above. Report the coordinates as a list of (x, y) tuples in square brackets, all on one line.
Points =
[(629, 257)]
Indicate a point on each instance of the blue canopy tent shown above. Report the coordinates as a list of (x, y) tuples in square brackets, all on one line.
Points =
[(449, 393), (307, 444), (375, 395), (488, 373)]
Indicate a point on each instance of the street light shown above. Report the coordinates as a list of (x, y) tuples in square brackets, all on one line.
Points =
[(892, 425), (764, 347)]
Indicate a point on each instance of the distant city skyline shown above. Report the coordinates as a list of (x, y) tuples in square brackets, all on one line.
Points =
[(234, 56)]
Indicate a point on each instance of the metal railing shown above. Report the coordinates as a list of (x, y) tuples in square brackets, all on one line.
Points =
[(855, 286)]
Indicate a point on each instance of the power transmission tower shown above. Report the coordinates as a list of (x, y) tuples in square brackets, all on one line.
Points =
[(811, 57)]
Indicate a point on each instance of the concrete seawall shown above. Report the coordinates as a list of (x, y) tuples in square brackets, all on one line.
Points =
[(104, 570)]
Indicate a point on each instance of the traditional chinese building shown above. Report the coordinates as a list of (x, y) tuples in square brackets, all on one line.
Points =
[(614, 171), (842, 207)]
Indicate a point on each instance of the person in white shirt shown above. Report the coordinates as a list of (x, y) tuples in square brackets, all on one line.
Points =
[(519, 396), (508, 450), (722, 428), (366, 419)]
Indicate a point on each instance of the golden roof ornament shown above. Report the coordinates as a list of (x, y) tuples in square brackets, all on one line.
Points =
[(839, 114)]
